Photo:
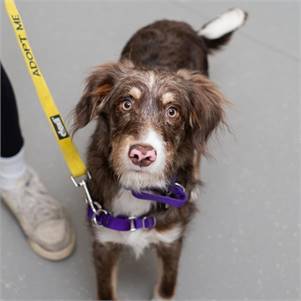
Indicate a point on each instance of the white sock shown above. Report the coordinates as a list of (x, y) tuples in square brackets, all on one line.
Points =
[(11, 170)]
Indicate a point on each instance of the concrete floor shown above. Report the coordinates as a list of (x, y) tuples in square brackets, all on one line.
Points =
[(245, 242)]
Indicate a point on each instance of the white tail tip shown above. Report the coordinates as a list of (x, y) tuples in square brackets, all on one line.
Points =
[(226, 23)]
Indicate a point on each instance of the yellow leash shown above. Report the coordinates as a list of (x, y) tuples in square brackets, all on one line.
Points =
[(72, 158)]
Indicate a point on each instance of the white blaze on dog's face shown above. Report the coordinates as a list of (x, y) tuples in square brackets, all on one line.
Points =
[(142, 159)]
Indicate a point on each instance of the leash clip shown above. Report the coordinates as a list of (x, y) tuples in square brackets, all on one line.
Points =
[(99, 211), (96, 207)]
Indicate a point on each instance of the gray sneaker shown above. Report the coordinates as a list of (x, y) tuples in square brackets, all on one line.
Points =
[(42, 218)]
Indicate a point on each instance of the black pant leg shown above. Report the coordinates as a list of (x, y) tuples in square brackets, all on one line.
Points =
[(11, 136)]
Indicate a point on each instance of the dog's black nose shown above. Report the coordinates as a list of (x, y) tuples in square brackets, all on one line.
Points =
[(142, 154)]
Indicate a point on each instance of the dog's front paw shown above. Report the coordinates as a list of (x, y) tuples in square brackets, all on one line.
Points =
[(157, 296)]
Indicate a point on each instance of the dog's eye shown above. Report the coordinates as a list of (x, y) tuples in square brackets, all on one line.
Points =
[(172, 112), (127, 103)]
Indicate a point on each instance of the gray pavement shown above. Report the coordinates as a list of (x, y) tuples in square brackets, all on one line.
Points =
[(245, 241)]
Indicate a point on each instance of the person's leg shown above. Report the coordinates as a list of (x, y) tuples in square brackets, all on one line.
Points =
[(11, 137), (12, 159), (42, 218)]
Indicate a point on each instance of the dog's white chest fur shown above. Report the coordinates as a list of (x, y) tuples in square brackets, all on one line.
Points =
[(125, 203)]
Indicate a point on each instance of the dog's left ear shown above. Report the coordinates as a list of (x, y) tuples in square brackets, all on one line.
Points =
[(97, 92), (207, 105)]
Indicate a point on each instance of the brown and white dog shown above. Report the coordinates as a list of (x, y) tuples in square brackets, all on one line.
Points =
[(155, 110)]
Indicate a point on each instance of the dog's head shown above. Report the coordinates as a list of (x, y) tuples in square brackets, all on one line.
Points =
[(154, 119)]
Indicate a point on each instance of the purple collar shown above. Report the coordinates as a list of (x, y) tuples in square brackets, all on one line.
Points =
[(120, 222), (175, 197)]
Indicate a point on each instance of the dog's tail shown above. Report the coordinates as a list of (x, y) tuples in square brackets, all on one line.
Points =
[(217, 32)]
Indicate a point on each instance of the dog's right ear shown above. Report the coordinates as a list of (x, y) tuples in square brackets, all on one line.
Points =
[(96, 94)]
